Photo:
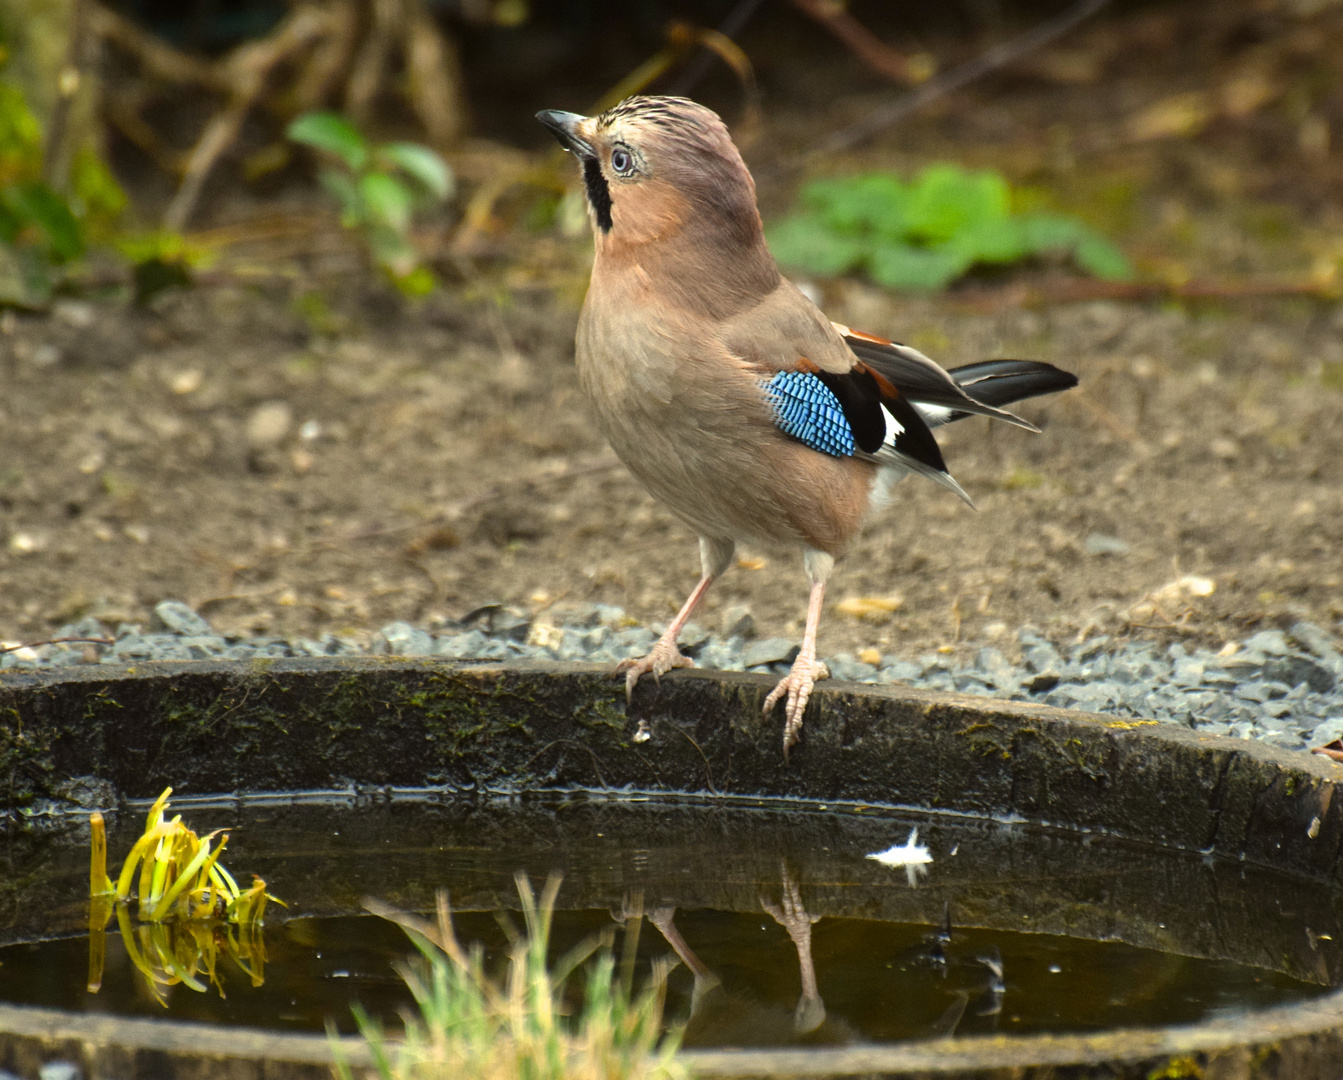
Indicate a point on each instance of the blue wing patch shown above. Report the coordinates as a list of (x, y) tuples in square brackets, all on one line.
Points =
[(805, 408)]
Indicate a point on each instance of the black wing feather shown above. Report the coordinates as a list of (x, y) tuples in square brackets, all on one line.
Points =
[(860, 398)]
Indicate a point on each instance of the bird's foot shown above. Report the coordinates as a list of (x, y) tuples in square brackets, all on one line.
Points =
[(661, 659), (797, 684)]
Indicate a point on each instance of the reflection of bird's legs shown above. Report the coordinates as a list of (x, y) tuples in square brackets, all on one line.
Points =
[(705, 980), (793, 917)]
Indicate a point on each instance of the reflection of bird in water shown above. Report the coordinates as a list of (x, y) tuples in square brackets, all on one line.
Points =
[(934, 951), (722, 1018), (939, 939)]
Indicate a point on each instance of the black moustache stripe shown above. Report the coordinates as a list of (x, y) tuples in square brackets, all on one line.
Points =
[(599, 194)]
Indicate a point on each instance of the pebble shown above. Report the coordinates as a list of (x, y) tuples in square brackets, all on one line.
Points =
[(1281, 687), (179, 618)]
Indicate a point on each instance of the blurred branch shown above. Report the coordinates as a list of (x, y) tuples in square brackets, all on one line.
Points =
[(56, 151), (370, 62), (153, 55), (702, 60), (324, 47), (247, 69), (434, 77), (864, 44), (958, 78)]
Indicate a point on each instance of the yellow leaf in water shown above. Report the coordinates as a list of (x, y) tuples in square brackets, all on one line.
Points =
[(870, 656), (752, 562), (870, 607)]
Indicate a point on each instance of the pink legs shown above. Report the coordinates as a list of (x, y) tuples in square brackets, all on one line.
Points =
[(793, 917), (714, 556), (799, 681)]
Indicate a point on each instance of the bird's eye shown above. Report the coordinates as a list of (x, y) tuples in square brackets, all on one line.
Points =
[(622, 162)]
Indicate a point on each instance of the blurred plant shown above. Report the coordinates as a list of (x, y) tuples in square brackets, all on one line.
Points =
[(379, 188), (161, 258), (925, 233), (191, 909), (471, 1024), (42, 230)]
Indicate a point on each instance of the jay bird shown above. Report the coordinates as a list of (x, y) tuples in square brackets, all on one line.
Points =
[(722, 388)]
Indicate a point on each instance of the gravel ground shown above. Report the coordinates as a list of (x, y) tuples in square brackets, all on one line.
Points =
[(1279, 686)]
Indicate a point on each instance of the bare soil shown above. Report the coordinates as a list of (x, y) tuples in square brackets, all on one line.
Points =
[(423, 461), (291, 448)]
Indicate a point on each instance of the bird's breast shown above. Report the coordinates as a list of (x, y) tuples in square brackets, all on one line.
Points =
[(694, 426)]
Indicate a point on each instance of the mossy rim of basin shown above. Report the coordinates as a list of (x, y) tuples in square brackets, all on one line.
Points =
[(361, 724)]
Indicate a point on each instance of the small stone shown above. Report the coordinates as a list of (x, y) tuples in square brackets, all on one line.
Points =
[(1327, 731), (77, 313), (204, 646), (405, 640), (1089, 649), (59, 1070), (1188, 671), (1042, 657), (594, 639), (901, 671), (1296, 670), (870, 656), (1043, 683), (769, 651), (269, 424), (738, 622), (693, 638), (1272, 642), (461, 646), (180, 619), (1101, 544), (636, 637), (1313, 639)]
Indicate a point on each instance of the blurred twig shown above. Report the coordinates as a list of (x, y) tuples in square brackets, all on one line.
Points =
[(58, 641), (247, 69), (702, 60), (318, 47), (864, 44), (957, 78)]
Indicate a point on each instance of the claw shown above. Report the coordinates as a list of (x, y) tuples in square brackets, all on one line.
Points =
[(797, 684), (661, 659)]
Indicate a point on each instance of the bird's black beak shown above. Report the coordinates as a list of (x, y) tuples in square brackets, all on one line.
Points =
[(564, 125)]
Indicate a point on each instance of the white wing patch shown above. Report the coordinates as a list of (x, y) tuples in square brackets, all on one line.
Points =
[(933, 415), (894, 429)]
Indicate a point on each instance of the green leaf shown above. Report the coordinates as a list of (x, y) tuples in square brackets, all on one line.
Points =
[(947, 198), (10, 224), (903, 266), (332, 133), (991, 240), (1091, 251), (347, 194), (1099, 257), (422, 165), (419, 282), (391, 250), (387, 200), (37, 204), (97, 190), (20, 135), (855, 204), (807, 243), (1051, 232)]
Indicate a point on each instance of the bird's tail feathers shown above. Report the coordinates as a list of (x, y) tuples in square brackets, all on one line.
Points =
[(996, 383)]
